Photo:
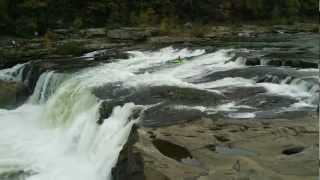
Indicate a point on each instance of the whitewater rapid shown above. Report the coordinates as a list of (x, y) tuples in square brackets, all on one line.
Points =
[(55, 134)]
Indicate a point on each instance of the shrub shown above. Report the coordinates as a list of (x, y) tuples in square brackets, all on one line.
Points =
[(77, 24), (48, 39), (167, 26), (145, 18)]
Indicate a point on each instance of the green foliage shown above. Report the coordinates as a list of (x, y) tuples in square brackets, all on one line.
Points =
[(77, 24), (28, 16), (168, 26), (316, 29), (292, 8), (3, 15), (70, 48), (145, 18), (48, 39)]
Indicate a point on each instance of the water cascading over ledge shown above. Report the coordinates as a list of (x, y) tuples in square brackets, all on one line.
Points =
[(56, 134)]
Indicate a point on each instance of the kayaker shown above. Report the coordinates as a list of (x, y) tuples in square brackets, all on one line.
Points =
[(179, 60)]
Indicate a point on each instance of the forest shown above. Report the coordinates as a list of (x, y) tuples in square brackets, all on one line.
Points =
[(29, 16)]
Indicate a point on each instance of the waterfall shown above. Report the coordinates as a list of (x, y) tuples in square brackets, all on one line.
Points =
[(60, 139), (46, 86), (55, 134)]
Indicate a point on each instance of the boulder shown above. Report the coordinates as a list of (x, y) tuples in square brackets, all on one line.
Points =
[(166, 114), (131, 165), (12, 94)]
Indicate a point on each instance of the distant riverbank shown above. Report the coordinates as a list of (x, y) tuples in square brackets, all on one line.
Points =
[(58, 43)]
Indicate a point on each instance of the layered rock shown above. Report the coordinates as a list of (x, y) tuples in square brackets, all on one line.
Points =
[(227, 149), (132, 33)]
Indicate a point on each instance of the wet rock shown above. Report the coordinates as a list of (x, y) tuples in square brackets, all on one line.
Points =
[(277, 63), (12, 94), (269, 79), (171, 98), (93, 32), (222, 138), (211, 147), (106, 109), (11, 57), (298, 114), (301, 64), (15, 175), (253, 62), (250, 73), (110, 54), (238, 93), (61, 48), (268, 103), (164, 115), (131, 164), (171, 150), (33, 70), (175, 95)]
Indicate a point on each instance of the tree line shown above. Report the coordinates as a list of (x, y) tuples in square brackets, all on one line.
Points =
[(29, 16)]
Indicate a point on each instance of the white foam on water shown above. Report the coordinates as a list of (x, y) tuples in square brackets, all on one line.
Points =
[(295, 91), (300, 105), (59, 138), (84, 150), (305, 92), (234, 82), (148, 79), (242, 115), (78, 149), (309, 70), (17, 130), (12, 74), (46, 85), (91, 55), (141, 60), (232, 106), (208, 63), (200, 108)]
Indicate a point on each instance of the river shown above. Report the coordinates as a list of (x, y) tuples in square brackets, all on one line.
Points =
[(54, 135)]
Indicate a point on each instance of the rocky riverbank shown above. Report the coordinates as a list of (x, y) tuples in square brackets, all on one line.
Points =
[(62, 43), (241, 108), (208, 149)]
